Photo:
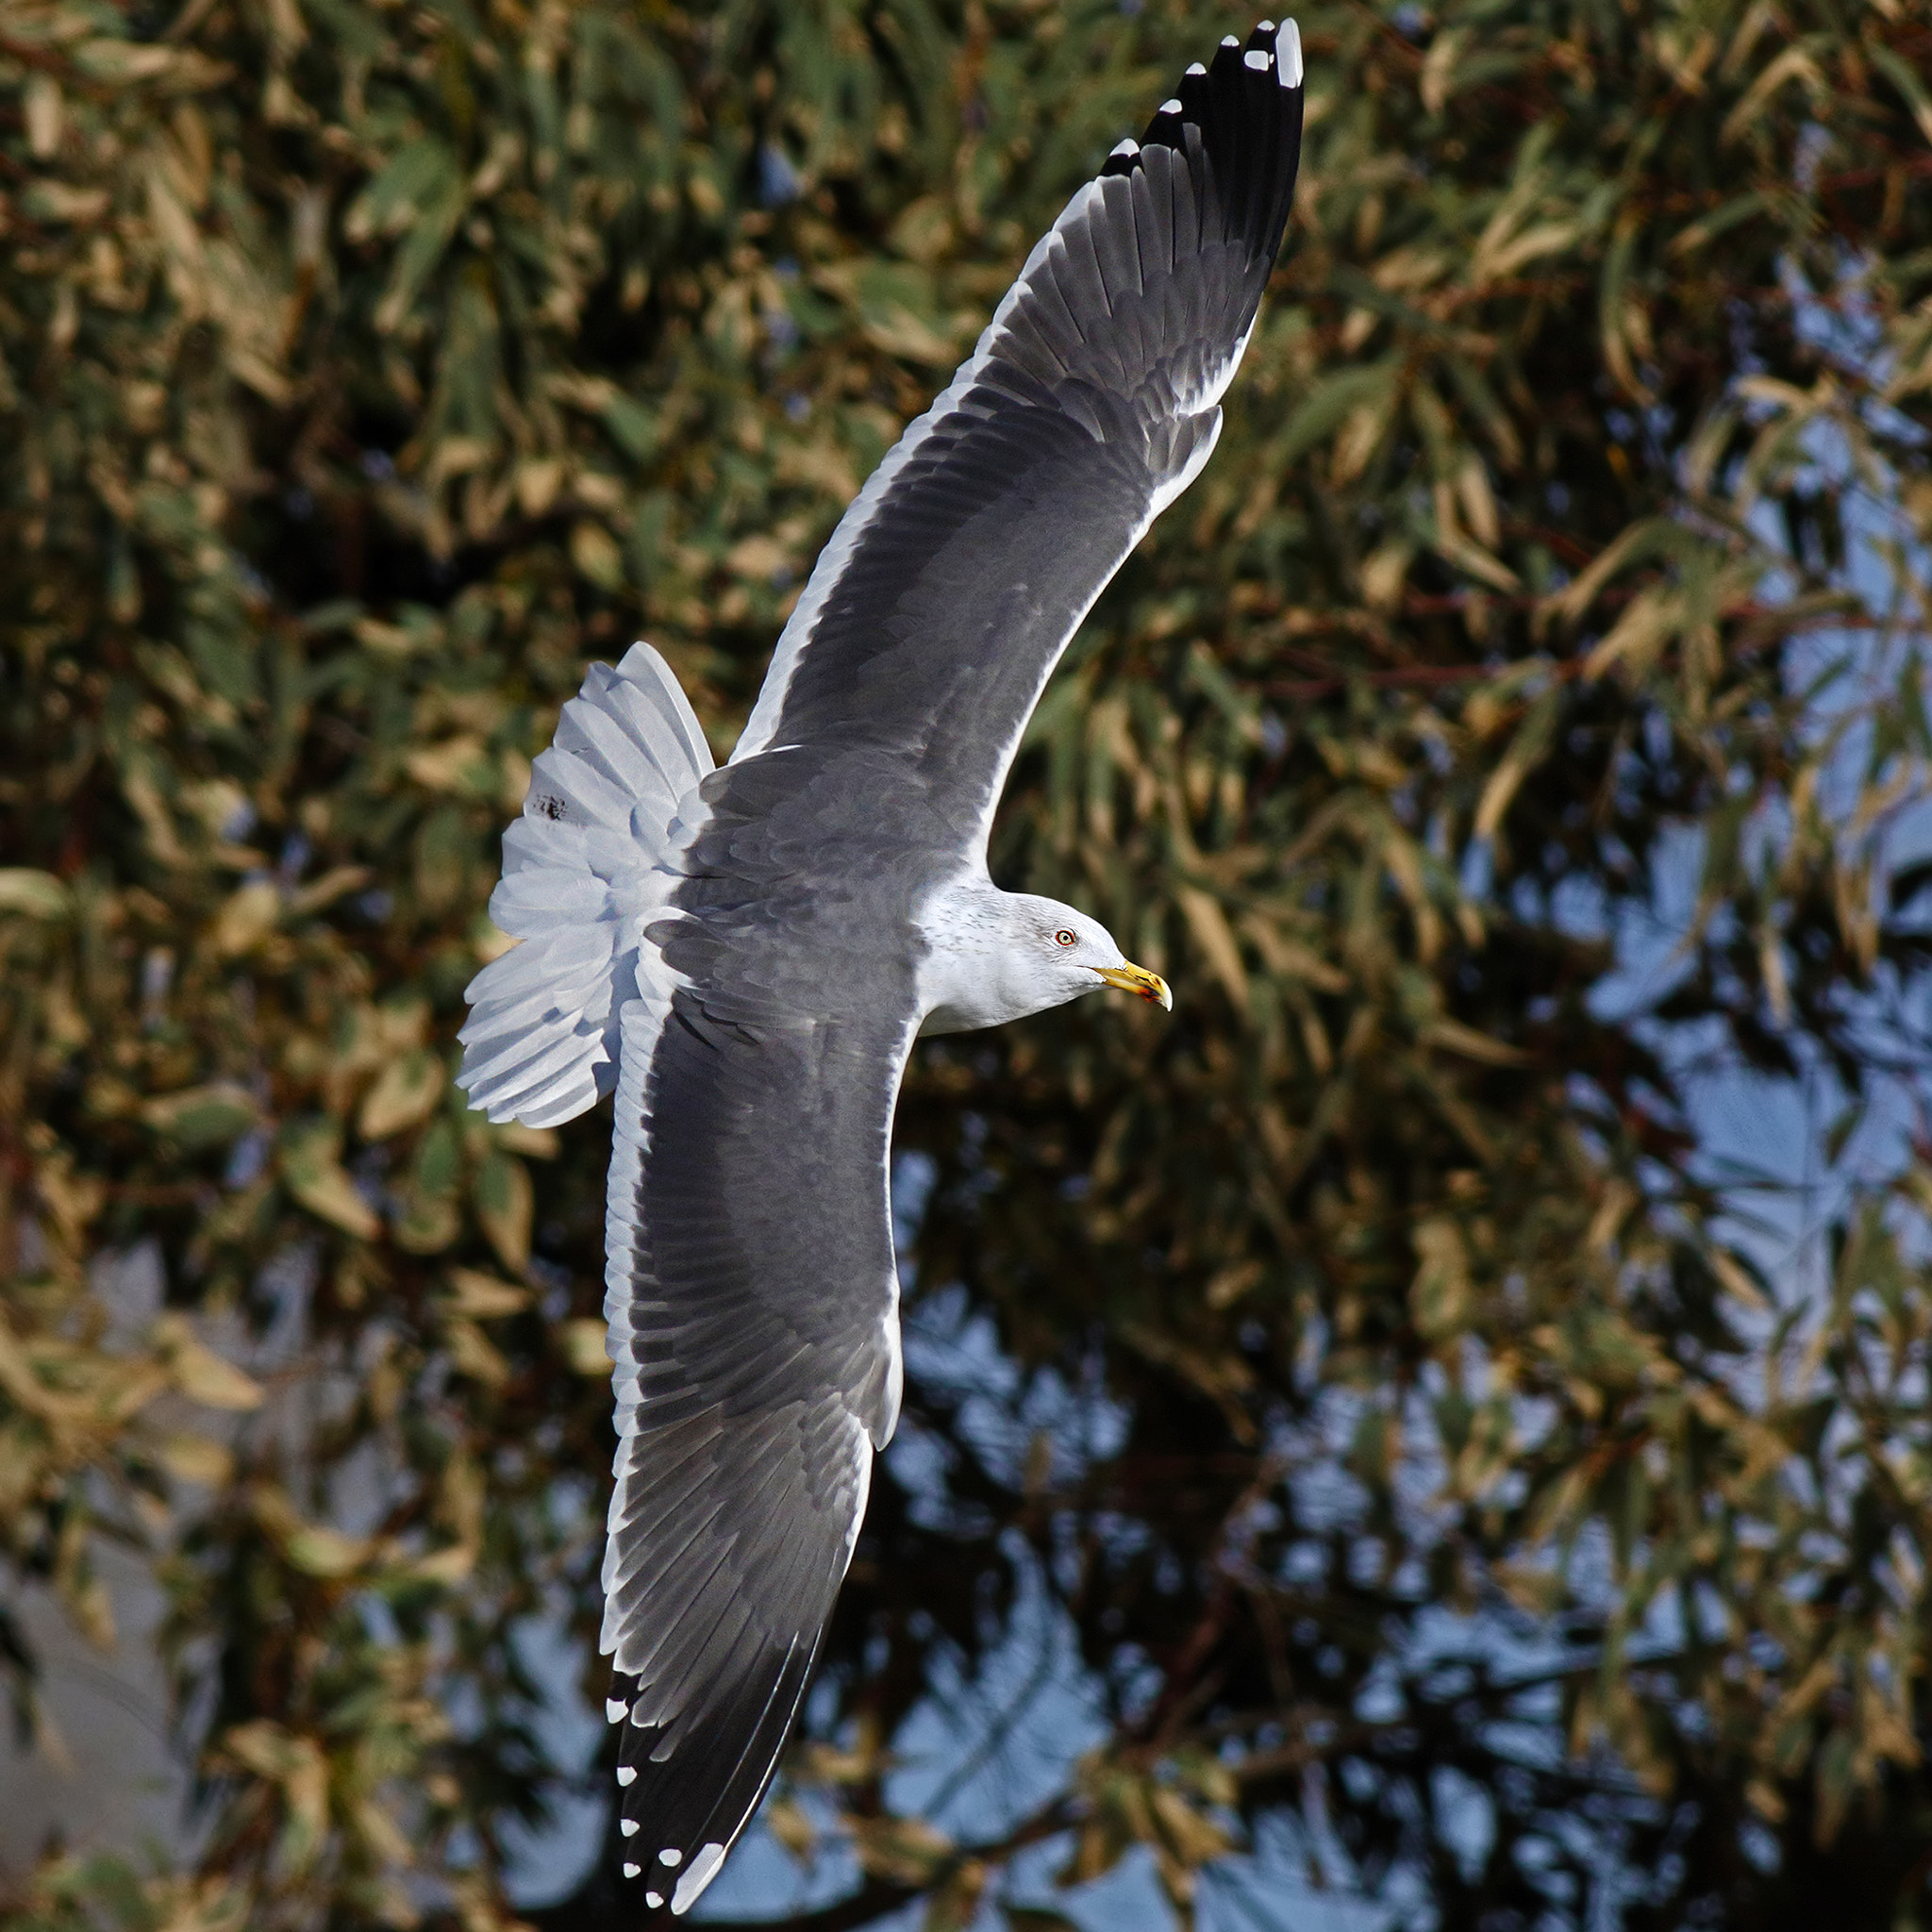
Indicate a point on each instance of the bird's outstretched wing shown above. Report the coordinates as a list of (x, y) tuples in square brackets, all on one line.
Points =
[(955, 580), (753, 1313)]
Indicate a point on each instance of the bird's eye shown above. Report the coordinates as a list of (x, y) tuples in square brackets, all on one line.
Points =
[(1064, 938)]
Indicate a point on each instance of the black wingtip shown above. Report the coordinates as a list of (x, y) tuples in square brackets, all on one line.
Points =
[(683, 1801), (1245, 111)]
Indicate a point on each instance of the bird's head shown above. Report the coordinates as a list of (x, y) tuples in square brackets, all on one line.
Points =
[(1053, 954), (993, 957)]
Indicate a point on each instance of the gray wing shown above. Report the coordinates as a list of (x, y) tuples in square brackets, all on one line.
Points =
[(950, 588), (753, 1318)]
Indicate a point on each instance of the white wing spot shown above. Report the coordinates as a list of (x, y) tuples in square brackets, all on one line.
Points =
[(1230, 41), (1288, 51), (704, 1868), (672, 1858), (1255, 59), (628, 1826), (653, 1899), (1170, 107), (1264, 26), (1196, 67), (615, 1710), (632, 1871), (1125, 147), (626, 1773)]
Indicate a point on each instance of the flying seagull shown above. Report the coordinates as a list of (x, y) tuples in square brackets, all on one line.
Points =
[(745, 955)]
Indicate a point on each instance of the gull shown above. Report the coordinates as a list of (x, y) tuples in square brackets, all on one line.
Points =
[(744, 955)]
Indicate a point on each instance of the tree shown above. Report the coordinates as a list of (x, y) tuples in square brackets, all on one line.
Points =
[(1398, 1412)]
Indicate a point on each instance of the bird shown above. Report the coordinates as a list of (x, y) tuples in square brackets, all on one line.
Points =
[(744, 954)]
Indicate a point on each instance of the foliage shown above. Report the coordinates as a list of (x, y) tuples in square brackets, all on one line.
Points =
[(1403, 1417)]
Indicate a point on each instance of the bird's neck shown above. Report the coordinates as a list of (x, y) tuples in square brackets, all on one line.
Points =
[(965, 927)]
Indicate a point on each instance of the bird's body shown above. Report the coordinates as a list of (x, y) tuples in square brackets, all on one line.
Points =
[(746, 954)]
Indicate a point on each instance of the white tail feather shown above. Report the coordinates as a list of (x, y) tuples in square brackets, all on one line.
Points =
[(591, 855)]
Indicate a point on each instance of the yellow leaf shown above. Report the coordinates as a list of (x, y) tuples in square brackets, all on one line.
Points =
[(298, 1767), (197, 1460), (1794, 63), (907, 1851), (1439, 1298), (1729, 1271), (329, 888), (788, 1822), (758, 558), (898, 332), (536, 1144), (504, 1207), (483, 1296), (199, 1373), (1539, 1592), (318, 1180), (1289, 958), (1215, 937), (584, 1342), (384, 1838), (248, 917), (1194, 1838), (319, 1551), (1385, 574), (405, 1091), (1571, 602), (459, 765), (471, 1352), (1497, 793), (1526, 750), (1540, 238), (1437, 81), (1454, 1036), (42, 107), (55, 201), (211, 1116), (332, 1197), (1634, 641), (118, 62), (448, 1566), (33, 894), (594, 552), (536, 484), (1469, 557)]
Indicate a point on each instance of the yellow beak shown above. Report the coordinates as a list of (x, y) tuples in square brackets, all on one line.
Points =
[(1150, 986)]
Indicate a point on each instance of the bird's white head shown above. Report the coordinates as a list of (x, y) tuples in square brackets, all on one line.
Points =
[(993, 957)]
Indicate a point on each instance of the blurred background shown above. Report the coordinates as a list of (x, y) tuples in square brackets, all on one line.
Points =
[(1434, 1435)]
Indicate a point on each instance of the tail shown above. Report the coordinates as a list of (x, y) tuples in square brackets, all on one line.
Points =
[(592, 853)]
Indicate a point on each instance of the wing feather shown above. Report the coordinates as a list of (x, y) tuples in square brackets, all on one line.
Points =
[(751, 1304), (580, 868), (950, 588)]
